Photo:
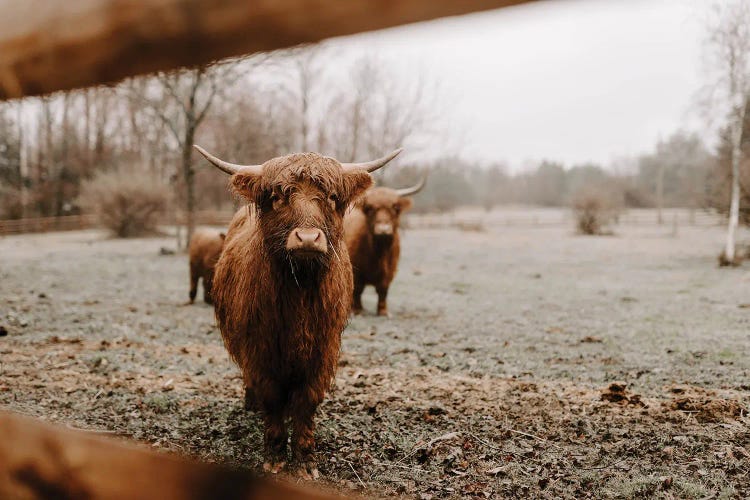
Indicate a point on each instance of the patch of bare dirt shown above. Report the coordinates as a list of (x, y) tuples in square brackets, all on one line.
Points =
[(706, 405)]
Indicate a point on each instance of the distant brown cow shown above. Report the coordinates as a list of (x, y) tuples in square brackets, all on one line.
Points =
[(204, 250), (371, 232), (283, 288)]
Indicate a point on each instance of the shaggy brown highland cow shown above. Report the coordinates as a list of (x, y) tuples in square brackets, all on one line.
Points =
[(283, 286), (204, 250), (371, 232)]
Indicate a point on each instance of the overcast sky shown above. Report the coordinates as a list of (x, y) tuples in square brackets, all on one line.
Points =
[(572, 80)]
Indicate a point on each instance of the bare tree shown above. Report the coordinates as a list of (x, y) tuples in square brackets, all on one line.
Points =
[(11, 170), (306, 63), (730, 44), (660, 192), (22, 162), (373, 113), (181, 101)]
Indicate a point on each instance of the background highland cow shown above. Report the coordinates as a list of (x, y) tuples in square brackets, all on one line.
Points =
[(203, 252), (372, 237)]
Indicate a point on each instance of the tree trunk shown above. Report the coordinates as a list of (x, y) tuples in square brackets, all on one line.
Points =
[(49, 156), (355, 132), (189, 175), (62, 171), (87, 130), (660, 195), (734, 205), (100, 123), (738, 137), (23, 173), (304, 90)]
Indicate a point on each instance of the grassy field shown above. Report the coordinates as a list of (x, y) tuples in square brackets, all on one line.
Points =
[(518, 361)]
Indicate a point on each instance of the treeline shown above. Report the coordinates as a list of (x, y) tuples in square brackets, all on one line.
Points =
[(679, 172), (249, 110)]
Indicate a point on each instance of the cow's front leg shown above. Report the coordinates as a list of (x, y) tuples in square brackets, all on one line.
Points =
[(382, 297), (275, 444), (303, 438), (275, 437)]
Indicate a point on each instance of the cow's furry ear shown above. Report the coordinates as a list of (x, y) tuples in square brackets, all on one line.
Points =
[(245, 185), (404, 203), (355, 184)]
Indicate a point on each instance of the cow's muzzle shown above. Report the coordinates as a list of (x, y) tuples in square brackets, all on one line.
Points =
[(307, 242), (383, 229)]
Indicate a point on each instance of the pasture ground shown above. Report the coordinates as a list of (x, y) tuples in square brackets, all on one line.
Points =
[(496, 376)]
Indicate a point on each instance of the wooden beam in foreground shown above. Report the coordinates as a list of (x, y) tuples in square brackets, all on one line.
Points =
[(43, 461), (51, 45)]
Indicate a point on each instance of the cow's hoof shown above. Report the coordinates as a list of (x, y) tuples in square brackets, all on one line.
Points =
[(384, 314), (308, 471), (274, 467)]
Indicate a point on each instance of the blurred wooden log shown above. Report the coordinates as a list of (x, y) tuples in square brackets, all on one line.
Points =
[(42, 461), (51, 45)]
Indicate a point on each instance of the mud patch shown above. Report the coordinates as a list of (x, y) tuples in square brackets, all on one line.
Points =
[(706, 405)]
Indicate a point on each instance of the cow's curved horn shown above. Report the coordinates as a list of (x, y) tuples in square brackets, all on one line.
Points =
[(373, 165), (230, 168), (414, 189)]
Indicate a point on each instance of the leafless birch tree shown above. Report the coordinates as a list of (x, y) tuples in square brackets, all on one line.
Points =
[(730, 51)]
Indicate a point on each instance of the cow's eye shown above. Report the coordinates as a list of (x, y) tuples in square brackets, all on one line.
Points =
[(333, 200), (276, 201), (396, 207)]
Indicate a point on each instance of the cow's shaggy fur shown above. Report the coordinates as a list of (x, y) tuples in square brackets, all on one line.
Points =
[(281, 316)]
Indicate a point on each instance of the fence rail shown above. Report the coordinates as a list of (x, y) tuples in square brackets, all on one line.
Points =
[(44, 224), (88, 221), (463, 220)]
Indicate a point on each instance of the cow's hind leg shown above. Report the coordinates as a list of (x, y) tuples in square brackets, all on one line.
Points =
[(208, 279), (359, 286), (251, 400), (252, 403), (194, 275)]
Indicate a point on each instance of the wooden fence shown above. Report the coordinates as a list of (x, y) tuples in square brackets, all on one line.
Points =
[(45, 224), (88, 221), (468, 220)]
